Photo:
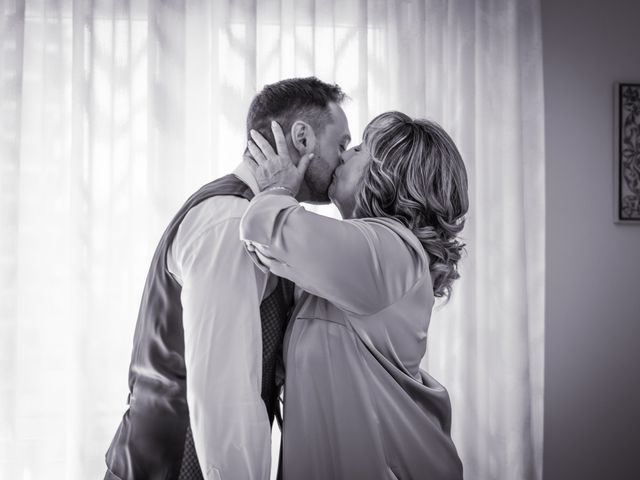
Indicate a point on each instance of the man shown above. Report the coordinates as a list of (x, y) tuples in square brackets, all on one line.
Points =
[(202, 377)]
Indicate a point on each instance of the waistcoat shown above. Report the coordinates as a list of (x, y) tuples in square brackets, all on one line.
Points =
[(153, 440)]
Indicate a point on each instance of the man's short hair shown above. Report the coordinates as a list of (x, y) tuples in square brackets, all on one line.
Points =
[(290, 100)]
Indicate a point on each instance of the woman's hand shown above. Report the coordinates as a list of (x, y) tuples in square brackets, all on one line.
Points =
[(276, 170)]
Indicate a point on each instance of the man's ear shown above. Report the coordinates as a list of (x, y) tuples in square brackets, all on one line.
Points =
[(303, 137)]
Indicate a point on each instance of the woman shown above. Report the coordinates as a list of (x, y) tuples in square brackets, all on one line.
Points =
[(357, 405)]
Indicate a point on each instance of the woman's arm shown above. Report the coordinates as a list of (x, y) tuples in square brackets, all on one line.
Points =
[(362, 266)]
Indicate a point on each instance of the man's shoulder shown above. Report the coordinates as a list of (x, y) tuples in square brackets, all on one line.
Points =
[(215, 218), (214, 210), (225, 205)]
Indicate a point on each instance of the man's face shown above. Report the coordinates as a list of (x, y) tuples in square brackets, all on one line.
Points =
[(330, 144)]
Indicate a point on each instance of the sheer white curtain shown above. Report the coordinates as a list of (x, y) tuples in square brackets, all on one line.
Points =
[(112, 112)]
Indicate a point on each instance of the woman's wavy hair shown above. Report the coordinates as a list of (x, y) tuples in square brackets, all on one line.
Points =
[(417, 176)]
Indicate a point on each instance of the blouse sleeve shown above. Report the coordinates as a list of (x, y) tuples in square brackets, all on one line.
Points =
[(360, 265)]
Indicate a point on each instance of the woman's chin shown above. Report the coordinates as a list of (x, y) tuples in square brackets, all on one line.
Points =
[(331, 191), (340, 205)]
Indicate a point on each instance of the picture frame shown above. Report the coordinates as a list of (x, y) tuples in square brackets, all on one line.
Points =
[(627, 153)]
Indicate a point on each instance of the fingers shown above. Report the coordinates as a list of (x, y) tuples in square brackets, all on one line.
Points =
[(304, 163), (256, 153), (262, 144), (281, 141)]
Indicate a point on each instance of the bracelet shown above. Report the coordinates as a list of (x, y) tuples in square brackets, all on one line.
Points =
[(279, 187)]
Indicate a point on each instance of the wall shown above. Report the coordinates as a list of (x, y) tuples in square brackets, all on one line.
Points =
[(592, 371)]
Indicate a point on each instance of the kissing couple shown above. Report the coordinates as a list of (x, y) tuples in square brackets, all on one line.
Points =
[(256, 309)]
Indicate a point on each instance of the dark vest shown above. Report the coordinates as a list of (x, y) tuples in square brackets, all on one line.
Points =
[(150, 441)]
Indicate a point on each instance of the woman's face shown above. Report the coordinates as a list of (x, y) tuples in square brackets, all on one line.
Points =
[(346, 179)]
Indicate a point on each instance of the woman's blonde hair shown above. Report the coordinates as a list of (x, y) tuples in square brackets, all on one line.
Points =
[(417, 177)]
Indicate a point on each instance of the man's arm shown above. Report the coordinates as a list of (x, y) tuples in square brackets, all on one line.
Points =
[(221, 292)]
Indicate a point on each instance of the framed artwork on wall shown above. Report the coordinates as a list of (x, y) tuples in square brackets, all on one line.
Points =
[(627, 153)]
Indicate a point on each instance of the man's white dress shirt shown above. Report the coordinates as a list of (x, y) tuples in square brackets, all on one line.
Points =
[(221, 294)]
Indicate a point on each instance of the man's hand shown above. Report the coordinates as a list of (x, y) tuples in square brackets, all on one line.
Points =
[(276, 170)]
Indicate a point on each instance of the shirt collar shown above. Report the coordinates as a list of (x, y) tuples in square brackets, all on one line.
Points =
[(245, 173)]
